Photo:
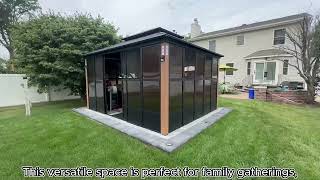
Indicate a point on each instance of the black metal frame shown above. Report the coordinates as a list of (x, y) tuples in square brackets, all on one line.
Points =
[(182, 79), (194, 79)]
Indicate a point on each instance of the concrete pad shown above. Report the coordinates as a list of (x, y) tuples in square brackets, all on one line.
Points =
[(167, 143)]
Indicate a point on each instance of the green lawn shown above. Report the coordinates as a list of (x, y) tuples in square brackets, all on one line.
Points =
[(254, 134)]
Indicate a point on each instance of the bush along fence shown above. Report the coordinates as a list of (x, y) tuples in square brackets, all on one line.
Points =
[(288, 97)]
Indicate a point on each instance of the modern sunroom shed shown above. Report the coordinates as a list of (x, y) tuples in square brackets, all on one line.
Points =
[(153, 79)]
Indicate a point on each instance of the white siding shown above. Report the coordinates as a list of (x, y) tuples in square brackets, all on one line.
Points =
[(292, 71), (253, 41)]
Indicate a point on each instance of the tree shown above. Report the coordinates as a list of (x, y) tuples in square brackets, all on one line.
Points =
[(3, 66), (304, 46), (11, 11), (50, 48)]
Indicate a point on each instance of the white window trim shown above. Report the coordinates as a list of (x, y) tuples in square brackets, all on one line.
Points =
[(249, 68), (253, 63), (238, 41), (273, 40), (215, 45), (286, 67), (232, 66)]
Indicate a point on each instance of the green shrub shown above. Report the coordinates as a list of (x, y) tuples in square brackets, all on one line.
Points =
[(226, 88)]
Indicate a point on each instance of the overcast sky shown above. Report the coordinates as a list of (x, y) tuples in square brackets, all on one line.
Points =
[(133, 16)]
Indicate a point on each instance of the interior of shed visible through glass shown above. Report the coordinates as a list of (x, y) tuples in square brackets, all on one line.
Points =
[(126, 85)]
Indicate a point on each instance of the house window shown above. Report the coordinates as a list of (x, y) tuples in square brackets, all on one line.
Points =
[(279, 36), (240, 40), (248, 68), (285, 67), (229, 72), (212, 45)]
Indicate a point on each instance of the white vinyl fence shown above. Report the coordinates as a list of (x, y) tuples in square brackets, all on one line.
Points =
[(12, 91)]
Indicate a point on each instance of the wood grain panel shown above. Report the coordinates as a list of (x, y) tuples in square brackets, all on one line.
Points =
[(165, 91)]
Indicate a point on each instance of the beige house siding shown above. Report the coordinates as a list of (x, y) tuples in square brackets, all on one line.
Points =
[(253, 41)]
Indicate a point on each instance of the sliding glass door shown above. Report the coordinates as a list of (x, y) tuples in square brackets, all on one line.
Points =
[(265, 73), (259, 72), (271, 72)]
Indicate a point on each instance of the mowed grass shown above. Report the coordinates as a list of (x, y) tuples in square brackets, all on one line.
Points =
[(253, 134)]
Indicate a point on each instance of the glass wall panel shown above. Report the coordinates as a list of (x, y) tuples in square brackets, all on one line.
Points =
[(189, 63), (124, 101), (207, 83), (151, 105), (198, 98), (207, 67), (112, 66), (188, 98), (134, 102), (134, 61), (214, 95), (176, 55), (123, 76), (91, 82), (189, 68), (207, 96), (99, 69), (175, 107), (200, 65), (123, 60), (151, 62), (214, 84), (214, 67)]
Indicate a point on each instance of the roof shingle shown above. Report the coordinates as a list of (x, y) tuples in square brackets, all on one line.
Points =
[(247, 27), (266, 53)]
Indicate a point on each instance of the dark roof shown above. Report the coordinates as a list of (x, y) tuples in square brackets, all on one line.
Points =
[(148, 37), (267, 52), (126, 43), (247, 27), (152, 31)]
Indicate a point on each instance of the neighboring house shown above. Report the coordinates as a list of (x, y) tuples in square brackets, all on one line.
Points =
[(254, 50)]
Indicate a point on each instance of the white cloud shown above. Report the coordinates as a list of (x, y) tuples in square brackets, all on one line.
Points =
[(135, 16), (140, 15)]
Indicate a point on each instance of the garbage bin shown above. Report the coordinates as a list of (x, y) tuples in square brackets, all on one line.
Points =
[(251, 93)]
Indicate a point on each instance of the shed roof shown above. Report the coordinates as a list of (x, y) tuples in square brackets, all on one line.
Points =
[(152, 31), (150, 35)]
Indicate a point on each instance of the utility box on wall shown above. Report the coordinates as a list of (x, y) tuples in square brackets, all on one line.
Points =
[(153, 79)]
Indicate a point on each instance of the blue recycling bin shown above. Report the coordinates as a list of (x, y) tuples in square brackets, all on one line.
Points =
[(251, 93)]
